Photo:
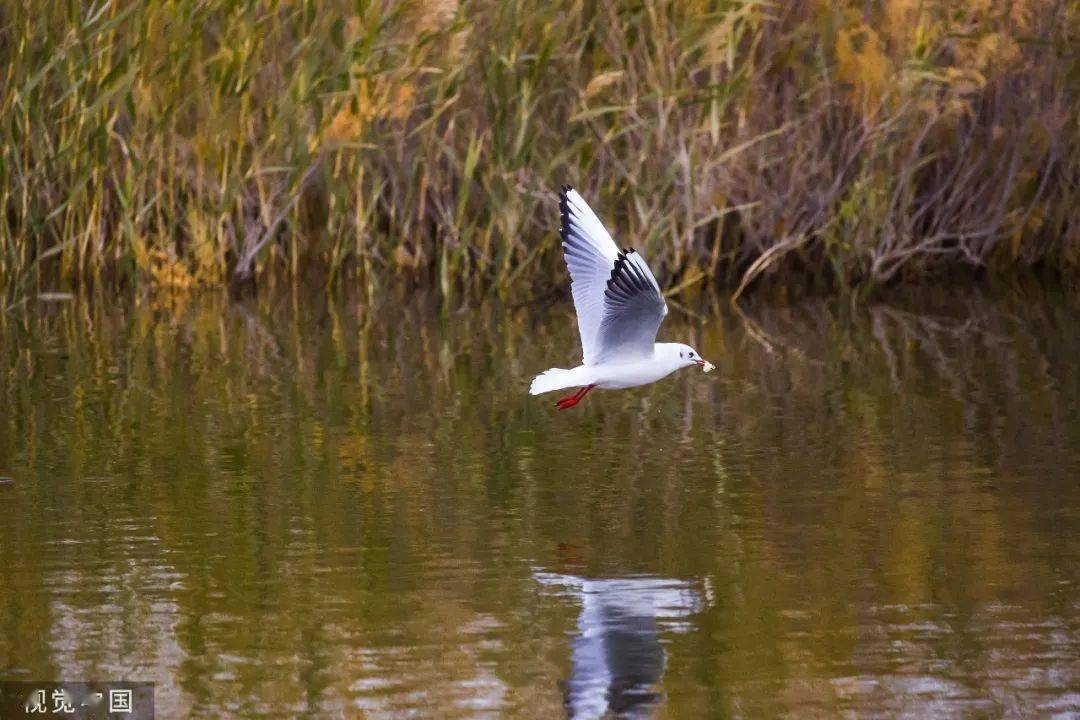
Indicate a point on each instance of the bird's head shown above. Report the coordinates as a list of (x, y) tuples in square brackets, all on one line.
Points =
[(689, 356)]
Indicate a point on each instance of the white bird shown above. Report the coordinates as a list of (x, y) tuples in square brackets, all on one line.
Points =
[(619, 309)]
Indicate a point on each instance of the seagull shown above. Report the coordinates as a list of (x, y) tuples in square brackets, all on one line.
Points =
[(619, 309)]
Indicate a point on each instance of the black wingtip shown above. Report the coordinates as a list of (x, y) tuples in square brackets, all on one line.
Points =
[(617, 269), (564, 213), (626, 279)]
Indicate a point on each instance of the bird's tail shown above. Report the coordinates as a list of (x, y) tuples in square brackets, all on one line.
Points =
[(556, 379)]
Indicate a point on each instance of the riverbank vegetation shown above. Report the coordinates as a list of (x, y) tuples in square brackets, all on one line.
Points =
[(849, 145)]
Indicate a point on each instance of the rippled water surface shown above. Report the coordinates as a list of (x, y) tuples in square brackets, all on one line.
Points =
[(332, 509)]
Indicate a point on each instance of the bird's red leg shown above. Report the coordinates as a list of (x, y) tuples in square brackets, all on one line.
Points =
[(572, 400), (569, 400)]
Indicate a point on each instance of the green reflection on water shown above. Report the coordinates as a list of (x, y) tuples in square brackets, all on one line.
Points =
[(318, 509)]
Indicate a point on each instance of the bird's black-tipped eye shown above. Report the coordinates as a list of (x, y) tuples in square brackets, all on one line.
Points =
[(691, 353)]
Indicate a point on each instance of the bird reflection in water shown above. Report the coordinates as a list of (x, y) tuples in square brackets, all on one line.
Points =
[(617, 658)]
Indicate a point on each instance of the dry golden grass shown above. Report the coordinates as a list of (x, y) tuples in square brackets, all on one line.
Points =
[(179, 143)]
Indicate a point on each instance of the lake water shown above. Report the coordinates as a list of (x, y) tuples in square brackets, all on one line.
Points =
[(286, 508)]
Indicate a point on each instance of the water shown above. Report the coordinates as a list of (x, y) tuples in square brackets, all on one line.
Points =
[(293, 508)]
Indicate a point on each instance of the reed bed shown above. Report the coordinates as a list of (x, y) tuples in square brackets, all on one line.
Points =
[(180, 143)]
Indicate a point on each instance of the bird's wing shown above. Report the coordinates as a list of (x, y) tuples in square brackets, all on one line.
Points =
[(590, 255), (634, 307)]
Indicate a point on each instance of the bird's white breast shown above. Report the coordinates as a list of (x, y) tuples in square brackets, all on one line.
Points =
[(613, 376)]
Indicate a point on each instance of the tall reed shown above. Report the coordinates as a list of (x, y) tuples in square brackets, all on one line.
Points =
[(181, 143)]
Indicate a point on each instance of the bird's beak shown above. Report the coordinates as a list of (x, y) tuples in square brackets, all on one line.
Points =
[(706, 365)]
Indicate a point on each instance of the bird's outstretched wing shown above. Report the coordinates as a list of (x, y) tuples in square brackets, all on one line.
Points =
[(633, 310), (618, 302), (590, 255)]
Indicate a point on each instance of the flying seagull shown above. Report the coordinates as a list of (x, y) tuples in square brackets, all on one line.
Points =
[(619, 307)]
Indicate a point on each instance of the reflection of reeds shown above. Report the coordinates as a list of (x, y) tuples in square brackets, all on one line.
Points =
[(999, 359), (181, 144), (373, 483)]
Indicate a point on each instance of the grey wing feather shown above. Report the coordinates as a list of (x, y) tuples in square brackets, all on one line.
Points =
[(590, 255), (633, 310)]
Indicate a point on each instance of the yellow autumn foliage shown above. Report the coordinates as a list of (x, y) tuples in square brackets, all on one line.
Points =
[(599, 82), (966, 43), (378, 99), (861, 63)]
